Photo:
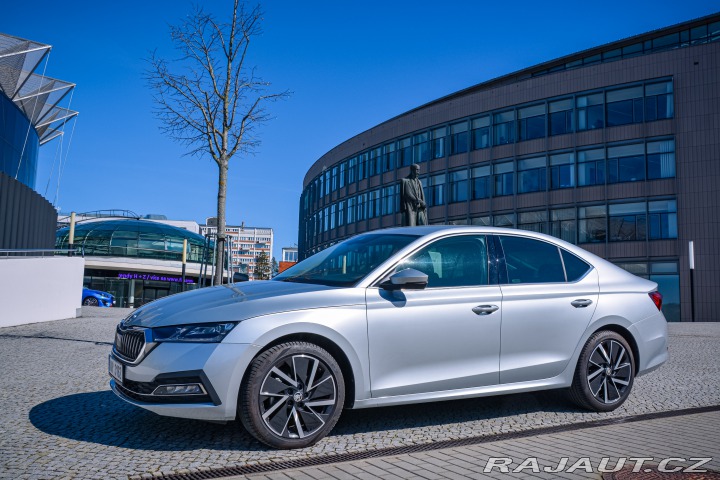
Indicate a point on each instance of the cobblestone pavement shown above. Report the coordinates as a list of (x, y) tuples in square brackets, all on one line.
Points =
[(60, 420), (587, 453)]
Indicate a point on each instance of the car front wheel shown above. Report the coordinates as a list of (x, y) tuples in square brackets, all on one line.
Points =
[(91, 301), (292, 395), (605, 373)]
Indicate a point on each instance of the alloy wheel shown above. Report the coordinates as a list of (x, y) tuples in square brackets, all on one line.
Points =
[(297, 396), (609, 371)]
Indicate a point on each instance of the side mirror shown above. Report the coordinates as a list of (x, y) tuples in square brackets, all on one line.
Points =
[(408, 279)]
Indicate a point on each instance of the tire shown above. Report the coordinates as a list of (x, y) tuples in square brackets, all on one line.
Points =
[(604, 374), (292, 395), (91, 301)]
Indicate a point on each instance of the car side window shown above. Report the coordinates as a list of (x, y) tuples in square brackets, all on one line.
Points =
[(575, 268), (460, 261), (531, 261)]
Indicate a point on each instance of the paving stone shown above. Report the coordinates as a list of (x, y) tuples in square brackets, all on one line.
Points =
[(60, 420)]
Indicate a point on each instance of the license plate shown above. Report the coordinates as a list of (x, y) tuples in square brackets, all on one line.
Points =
[(116, 369)]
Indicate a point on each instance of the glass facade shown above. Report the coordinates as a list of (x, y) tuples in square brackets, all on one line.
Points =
[(135, 238), (19, 144)]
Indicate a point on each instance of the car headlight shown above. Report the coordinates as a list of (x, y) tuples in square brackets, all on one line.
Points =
[(205, 333)]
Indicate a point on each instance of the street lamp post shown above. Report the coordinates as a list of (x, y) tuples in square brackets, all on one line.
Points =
[(691, 261)]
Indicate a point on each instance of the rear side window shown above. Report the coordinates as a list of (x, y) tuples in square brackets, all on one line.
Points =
[(532, 261), (574, 267)]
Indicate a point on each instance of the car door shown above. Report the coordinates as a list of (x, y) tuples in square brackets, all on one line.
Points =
[(549, 297), (444, 337)]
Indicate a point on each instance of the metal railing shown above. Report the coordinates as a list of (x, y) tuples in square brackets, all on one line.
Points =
[(40, 252)]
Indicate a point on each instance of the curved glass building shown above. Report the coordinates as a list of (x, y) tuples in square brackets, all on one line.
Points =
[(137, 260), (614, 148)]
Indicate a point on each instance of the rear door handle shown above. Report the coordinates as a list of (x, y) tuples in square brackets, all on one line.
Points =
[(485, 309), (580, 303)]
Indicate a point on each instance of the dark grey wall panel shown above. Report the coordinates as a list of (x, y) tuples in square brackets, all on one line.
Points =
[(27, 220)]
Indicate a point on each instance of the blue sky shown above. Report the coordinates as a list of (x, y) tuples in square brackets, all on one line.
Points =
[(350, 66)]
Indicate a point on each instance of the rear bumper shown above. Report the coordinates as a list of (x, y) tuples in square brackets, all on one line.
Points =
[(652, 339)]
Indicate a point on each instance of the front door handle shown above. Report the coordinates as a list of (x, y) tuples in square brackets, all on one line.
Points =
[(485, 309), (580, 303)]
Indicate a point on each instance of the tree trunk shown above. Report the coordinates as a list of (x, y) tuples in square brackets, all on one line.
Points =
[(221, 200)]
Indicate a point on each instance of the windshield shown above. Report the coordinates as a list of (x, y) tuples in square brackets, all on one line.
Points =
[(346, 263)]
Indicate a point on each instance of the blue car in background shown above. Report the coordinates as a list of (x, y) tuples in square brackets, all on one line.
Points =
[(96, 298)]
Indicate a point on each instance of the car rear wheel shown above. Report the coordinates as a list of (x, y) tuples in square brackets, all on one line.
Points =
[(91, 302), (292, 396), (605, 373)]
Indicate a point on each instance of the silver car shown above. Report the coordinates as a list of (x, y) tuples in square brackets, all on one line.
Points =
[(392, 317)]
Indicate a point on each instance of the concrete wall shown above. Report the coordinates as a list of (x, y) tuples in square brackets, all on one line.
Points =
[(39, 289)]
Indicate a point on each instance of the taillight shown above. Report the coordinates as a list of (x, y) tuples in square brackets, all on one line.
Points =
[(656, 297)]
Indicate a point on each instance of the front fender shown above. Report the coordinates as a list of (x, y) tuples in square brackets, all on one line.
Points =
[(345, 326)]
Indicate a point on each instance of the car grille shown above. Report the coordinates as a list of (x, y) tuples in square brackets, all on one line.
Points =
[(129, 343)]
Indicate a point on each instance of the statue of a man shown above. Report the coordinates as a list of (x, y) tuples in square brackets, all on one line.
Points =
[(412, 199)]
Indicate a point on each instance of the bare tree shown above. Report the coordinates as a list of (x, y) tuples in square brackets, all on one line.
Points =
[(210, 99)]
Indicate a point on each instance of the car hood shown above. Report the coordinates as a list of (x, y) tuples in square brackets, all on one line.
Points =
[(240, 301), (88, 291)]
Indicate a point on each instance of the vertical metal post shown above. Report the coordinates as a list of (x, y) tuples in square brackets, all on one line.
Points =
[(212, 278), (184, 261), (691, 261), (71, 237)]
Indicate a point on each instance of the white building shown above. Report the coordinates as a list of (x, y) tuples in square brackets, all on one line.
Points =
[(247, 243)]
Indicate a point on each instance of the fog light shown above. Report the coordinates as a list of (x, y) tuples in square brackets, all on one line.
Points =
[(189, 389)]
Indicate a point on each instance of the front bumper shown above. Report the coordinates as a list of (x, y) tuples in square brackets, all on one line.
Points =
[(219, 367)]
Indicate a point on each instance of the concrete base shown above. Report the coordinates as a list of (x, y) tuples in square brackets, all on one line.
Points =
[(40, 289)]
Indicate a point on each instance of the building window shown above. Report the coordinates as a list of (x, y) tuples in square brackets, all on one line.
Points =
[(592, 224), (374, 165), (351, 210), (506, 220), (659, 101), (504, 127), (532, 175), (481, 182), (333, 208), (458, 186), (625, 106), (342, 177), (628, 222), (482, 221), (562, 170), (435, 190), (562, 224), (561, 117), (361, 207), (459, 138), (388, 160), (591, 167), (389, 195), (421, 147), (481, 132), (362, 166), (352, 170), (327, 182), (533, 221), (341, 213), (532, 122), (626, 163), (334, 179), (326, 219), (590, 112), (405, 152), (503, 178), (373, 203), (438, 142), (662, 220), (661, 159)]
